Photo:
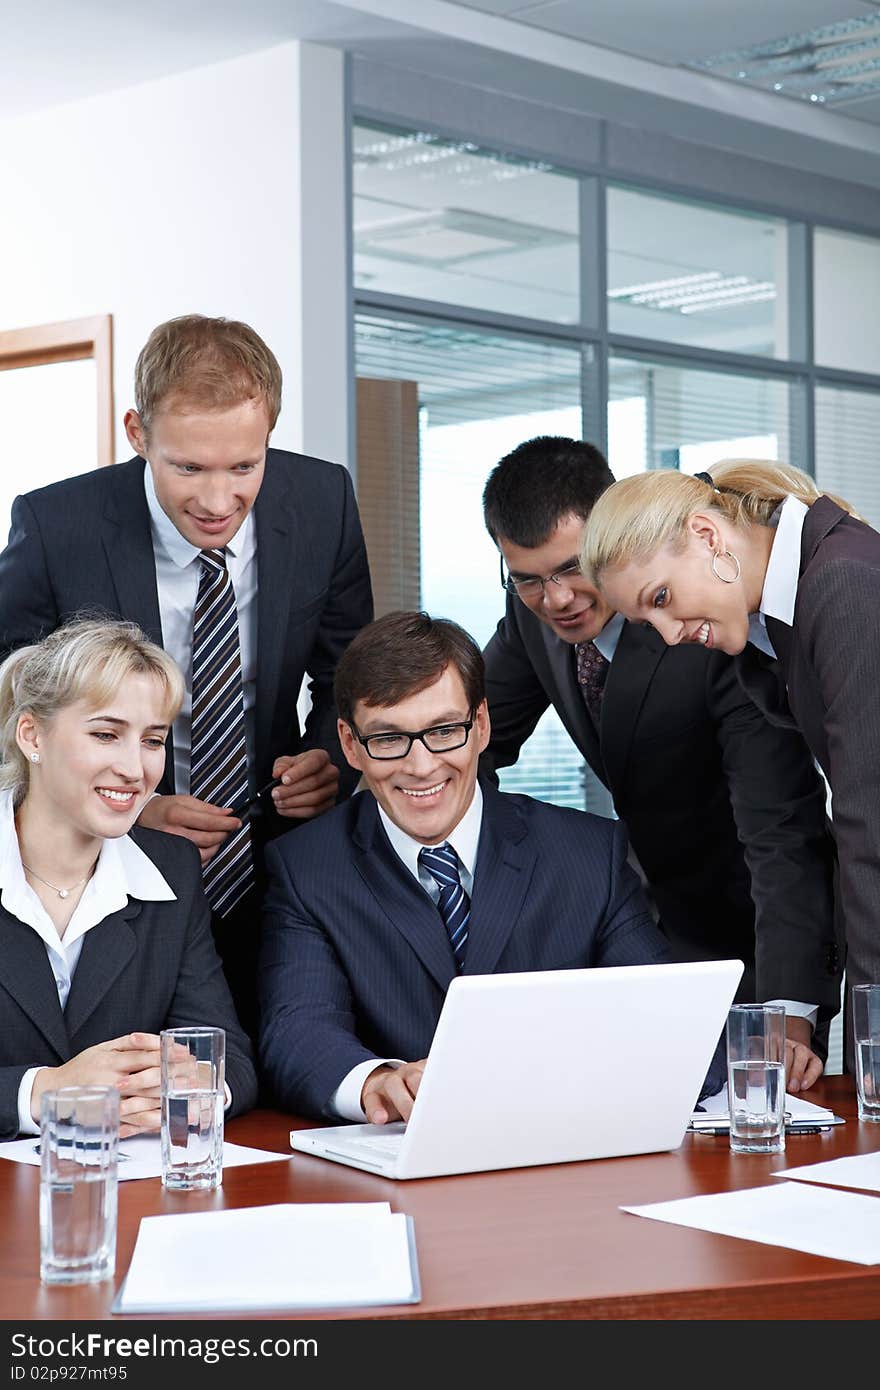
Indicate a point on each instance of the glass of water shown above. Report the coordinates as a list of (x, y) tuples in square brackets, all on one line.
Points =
[(79, 1133), (866, 1030), (756, 1078), (193, 1066)]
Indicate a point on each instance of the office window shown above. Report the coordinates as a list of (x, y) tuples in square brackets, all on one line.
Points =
[(697, 274), (479, 395), (662, 415), (846, 286), (447, 221), (847, 431), (704, 353)]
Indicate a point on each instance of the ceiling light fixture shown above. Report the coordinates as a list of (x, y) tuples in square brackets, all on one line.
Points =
[(450, 235), (426, 153), (827, 65), (702, 292)]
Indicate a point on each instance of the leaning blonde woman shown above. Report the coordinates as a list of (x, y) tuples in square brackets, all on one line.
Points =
[(104, 928), (753, 559)]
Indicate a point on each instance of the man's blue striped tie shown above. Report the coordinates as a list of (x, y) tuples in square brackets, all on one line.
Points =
[(441, 862), (218, 768)]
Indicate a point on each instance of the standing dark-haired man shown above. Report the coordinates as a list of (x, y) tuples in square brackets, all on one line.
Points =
[(246, 563), (725, 812)]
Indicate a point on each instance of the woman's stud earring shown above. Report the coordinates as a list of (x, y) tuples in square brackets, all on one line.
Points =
[(35, 757)]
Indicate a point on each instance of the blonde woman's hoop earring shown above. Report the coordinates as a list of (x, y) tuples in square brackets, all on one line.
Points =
[(35, 757), (725, 555)]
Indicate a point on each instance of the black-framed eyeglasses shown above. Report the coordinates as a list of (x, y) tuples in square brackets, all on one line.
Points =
[(441, 738), (533, 585)]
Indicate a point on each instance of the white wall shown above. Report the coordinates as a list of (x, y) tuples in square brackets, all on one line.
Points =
[(323, 348), (187, 195)]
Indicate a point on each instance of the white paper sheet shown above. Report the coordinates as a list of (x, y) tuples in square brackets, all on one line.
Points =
[(861, 1170), (799, 1109), (286, 1256), (140, 1157), (817, 1220)]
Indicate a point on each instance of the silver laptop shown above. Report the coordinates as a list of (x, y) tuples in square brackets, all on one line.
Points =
[(550, 1067)]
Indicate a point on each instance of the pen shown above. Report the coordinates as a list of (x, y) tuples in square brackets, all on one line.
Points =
[(789, 1129), (247, 808)]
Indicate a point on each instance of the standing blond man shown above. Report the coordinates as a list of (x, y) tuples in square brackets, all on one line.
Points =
[(246, 563)]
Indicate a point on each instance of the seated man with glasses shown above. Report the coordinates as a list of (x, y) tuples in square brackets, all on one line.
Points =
[(725, 812), (429, 872)]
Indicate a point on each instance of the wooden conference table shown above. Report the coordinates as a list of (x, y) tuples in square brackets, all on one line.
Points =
[(526, 1243)]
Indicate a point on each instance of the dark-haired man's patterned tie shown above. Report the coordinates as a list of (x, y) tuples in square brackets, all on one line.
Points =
[(441, 862), (218, 762), (592, 669)]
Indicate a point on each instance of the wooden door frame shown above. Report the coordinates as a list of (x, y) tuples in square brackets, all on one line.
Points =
[(70, 341)]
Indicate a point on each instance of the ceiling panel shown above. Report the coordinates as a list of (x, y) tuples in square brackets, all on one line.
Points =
[(866, 110), (679, 31), (56, 51), (507, 8)]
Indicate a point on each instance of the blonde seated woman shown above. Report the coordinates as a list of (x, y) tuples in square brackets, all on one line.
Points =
[(104, 929), (754, 560)]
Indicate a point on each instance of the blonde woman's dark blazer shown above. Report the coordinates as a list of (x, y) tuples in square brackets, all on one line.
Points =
[(829, 661), (152, 965)]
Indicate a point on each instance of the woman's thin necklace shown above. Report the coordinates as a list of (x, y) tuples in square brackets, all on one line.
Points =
[(62, 892)]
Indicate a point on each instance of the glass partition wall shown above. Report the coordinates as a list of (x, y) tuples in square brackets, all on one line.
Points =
[(524, 298)]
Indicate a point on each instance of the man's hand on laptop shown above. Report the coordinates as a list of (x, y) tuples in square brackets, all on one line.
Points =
[(802, 1066), (389, 1092)]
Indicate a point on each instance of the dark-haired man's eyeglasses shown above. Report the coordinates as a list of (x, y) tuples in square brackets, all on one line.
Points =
[(442, 738), (533, 585)]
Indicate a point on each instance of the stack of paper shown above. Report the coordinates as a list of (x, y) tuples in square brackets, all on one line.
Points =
[(714, 1112), (288, 1256)]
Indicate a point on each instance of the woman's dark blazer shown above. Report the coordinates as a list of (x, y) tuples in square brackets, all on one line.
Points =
[(830, 662), (150, 966)]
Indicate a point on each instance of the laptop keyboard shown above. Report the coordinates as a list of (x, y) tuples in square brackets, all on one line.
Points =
[(383, 1146)]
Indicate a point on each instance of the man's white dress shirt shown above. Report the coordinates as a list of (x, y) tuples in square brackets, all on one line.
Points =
[(464, 839), (609, 637), (178, 571)]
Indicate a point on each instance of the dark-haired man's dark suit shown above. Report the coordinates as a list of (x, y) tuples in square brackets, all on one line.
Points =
[(694, 769), (830, 663), (356, 961), (85, 545)]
